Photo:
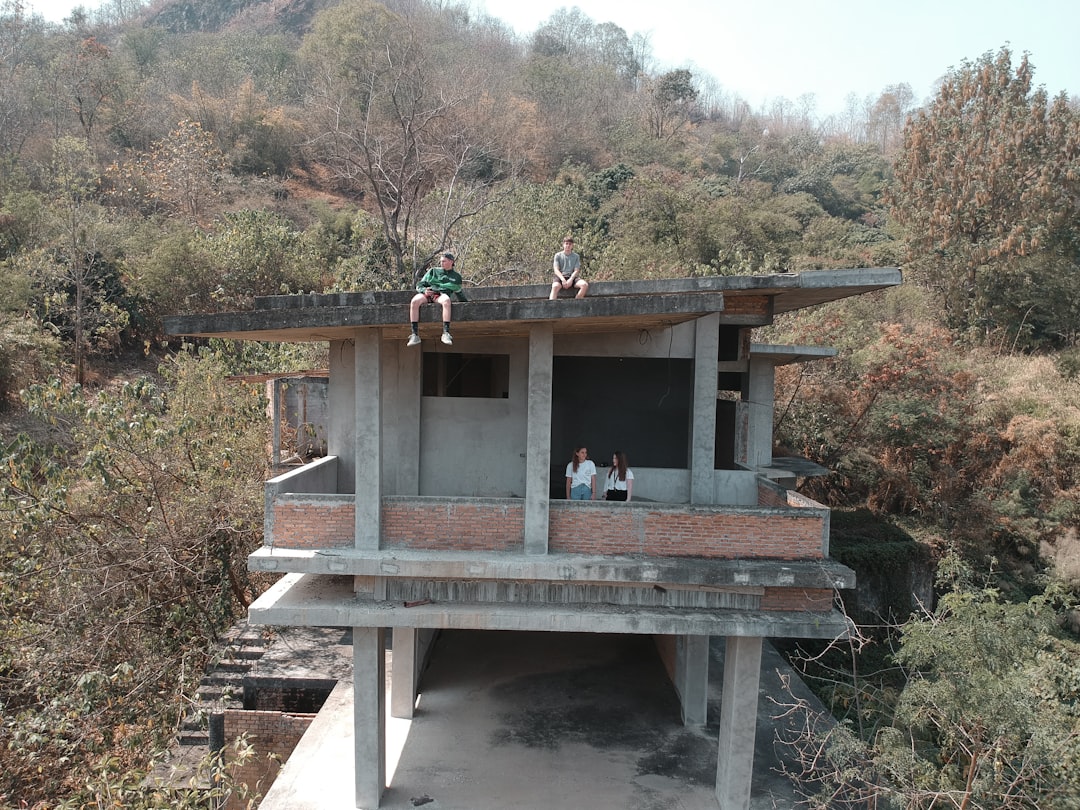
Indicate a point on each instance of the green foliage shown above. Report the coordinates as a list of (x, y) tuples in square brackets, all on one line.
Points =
[(258, 253), (125, 522), (988, 175), (986, 719), (882, 554)]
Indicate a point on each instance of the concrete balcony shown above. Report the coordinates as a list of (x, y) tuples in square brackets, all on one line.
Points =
[(460, 562), (304, 513)]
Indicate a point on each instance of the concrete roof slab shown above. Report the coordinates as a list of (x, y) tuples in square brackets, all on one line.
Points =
[(326, 601), (611, 306)]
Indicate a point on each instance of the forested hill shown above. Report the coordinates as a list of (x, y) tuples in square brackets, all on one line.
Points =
[(185, 157), (209, 16)]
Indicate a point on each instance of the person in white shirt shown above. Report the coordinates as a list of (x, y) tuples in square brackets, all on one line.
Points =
[(580, 477), (620, 479)]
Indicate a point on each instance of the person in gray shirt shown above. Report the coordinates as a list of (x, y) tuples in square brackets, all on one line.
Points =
[(567, 268)]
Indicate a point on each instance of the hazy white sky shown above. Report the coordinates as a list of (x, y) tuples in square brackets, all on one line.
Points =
[(762, 51), (786, 48)]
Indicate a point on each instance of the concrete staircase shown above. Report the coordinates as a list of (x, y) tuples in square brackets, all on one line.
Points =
[(222, 686)]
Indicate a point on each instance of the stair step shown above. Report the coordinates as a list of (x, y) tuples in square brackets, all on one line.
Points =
[(234, 679), (245, 653), (194, 738), (215, 693), (232, 666)]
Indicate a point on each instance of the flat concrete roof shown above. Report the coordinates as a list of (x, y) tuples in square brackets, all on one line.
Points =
[(509, 311), (565, 721)]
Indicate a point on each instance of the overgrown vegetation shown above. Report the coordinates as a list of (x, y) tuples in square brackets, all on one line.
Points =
[(151, 165)]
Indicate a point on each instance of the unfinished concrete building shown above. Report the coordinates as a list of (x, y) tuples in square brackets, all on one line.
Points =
[(440, 502)]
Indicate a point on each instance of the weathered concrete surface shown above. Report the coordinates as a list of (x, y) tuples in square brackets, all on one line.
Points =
[(309, 600), (541, 720), (510, 310)]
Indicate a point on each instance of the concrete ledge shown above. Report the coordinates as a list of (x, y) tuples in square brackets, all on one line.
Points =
[(691, 571), (312, 600)]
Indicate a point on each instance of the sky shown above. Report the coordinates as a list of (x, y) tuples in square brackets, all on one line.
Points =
[(772, 49)]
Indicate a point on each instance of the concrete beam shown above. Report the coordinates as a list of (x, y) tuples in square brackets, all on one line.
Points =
[(367, 418), (661, 571), (369, 715), (305, 600), (537, 441), (703, 438), (692, 678), (738, 722), (404, 673)]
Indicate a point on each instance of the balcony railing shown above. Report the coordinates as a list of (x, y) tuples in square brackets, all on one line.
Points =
[(302, 513)]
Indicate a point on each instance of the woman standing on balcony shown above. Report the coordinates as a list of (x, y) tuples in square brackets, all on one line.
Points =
[(580, 477), (620, 479)]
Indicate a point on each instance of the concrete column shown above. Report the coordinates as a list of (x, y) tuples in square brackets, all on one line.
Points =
[(703, 439), (369, 715), (738, 722), (692, 678), (405, 672), (341, 430), (367, 417), (760, 397), (538, 439)]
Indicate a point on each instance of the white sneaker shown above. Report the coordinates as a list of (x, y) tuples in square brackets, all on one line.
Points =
[(414, 340), (449, 341)]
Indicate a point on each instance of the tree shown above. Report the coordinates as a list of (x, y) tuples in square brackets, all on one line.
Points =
[(398, 119), (985, 719), (81, 287), (887, 116), (989, 172), (183, 170), (126, 520), (670, 102)]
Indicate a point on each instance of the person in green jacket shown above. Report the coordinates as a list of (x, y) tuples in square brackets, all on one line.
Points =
[(435, 288)]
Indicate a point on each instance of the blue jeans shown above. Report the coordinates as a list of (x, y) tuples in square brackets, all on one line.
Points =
[(582, 492)]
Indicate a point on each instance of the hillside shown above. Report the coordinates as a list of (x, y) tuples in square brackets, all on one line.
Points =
[(205, 153)]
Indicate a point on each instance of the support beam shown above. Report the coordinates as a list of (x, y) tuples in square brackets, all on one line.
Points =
[(738, 722), (405, 672), (369, 715), (538, 439), (367, 416), (703, 441), (760, 394), (341, 409), (692, 678)]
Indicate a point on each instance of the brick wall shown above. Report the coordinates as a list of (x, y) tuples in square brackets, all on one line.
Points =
[(600, 529), (686, 532), (272, 737), (301, 521), (815, 599), (465, 525), (770, 494)]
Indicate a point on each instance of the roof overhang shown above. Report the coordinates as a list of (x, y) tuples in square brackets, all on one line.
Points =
[(611, 306)]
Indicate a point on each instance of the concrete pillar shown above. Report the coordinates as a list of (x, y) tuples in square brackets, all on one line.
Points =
[(405, 673), (369, 715), (738, 722), (341, 430), (538, 439), (692, 678), (703, 439), (367, 417), (760, 400)]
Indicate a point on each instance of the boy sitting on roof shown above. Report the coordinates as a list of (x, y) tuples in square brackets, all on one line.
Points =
[(436, 287)]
